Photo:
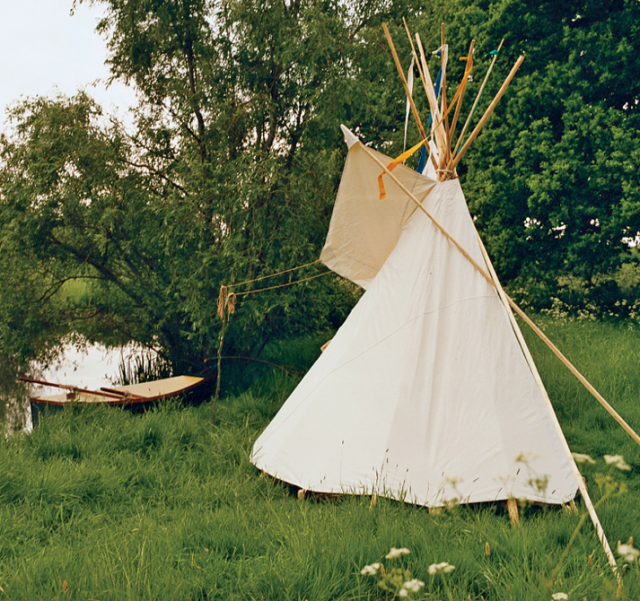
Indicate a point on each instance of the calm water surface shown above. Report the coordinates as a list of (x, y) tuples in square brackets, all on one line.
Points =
[(88, 366)]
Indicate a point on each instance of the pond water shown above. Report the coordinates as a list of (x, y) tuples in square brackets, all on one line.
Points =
[(84, 365)]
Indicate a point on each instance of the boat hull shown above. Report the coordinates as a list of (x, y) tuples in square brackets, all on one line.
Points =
[(137, 398)]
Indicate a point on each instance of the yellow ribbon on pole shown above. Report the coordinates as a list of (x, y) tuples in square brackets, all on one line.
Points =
[(405, 155)]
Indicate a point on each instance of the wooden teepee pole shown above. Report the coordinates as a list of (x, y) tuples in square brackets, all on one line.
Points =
[(438, 130), (456, 159), (415, 54), (444, 53), (475, 103), (414, 110), (461, 91), (424, 82)]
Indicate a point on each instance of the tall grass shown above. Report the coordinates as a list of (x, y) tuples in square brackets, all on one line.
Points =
[(609, 356), (102, 504)]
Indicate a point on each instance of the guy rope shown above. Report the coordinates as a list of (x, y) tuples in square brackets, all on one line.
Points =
[(227, 306)]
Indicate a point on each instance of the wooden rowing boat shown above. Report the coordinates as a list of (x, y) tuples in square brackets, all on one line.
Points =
[(135, 397)]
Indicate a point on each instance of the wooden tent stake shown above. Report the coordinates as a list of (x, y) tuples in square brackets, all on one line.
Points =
[(475, 103), (456, 159), (512, 508), (571, 508), (404, 81)]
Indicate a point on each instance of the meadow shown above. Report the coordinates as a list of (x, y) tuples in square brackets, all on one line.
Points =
[(104, 505)]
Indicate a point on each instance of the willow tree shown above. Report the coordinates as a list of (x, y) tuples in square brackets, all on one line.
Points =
[(228, 174)]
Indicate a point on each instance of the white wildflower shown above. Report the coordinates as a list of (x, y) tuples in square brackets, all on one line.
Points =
[(628, 552), (397, 553), (617, 461), (444, 567), (581, 458), (371, 570), (559, 596), (403, 592), (413, 586)]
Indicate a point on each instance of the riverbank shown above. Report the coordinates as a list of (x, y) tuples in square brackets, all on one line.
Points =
[(102, 504)]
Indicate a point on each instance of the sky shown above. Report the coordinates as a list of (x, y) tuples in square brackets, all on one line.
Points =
[(45, 50)]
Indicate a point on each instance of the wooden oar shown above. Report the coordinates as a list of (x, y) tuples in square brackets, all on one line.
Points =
[(69, 387), (122, 393)]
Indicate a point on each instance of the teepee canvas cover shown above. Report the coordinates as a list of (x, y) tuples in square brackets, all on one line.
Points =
[(424, 394)]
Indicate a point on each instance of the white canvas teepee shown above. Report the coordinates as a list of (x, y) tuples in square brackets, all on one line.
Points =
[(424, 394)]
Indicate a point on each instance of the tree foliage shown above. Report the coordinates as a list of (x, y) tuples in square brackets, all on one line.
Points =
[(231, 168), (229, 174)]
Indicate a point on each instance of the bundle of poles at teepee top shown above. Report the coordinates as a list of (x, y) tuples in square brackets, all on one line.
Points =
[(443, 153)]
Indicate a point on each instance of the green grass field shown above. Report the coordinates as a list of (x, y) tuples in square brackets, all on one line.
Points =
[(104, 505)]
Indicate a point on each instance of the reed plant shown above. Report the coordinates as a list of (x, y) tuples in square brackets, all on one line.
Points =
[(101, 504)]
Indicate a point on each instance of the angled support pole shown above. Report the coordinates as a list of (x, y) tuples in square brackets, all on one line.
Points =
[(582, 487), (510, 303), (625, 426)]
